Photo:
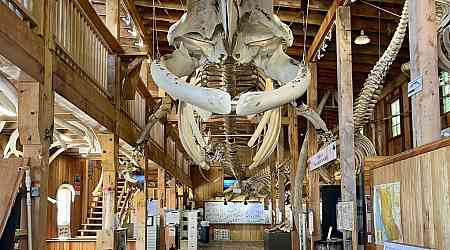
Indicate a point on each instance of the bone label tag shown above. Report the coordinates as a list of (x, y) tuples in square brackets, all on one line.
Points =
[(323, 157)]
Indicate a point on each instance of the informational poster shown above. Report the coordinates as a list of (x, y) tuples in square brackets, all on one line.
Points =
[(386, 212), (235, 213), (345, 216), (172, 217), (401, 246)]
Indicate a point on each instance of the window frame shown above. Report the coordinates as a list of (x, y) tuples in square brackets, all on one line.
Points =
[(393, 117)]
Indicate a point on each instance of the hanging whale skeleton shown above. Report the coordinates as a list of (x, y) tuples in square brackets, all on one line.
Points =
[(215, 44), (230, 62)]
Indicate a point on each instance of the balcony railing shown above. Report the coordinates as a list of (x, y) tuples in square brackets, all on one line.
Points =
[(80, 43), (23, 9), (136, 110)]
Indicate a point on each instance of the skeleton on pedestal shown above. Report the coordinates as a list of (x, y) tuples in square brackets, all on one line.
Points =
[(65, 196)]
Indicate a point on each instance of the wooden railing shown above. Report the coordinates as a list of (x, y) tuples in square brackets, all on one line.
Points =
[(80, 43), (136, 110), (23, 9)]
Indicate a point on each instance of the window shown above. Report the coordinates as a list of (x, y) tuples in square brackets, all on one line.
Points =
[(395, 118), (444, 80)]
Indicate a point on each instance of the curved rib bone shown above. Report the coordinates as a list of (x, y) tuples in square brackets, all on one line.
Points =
[(270, 139), (213, 100), (257, 102), (186, 138)]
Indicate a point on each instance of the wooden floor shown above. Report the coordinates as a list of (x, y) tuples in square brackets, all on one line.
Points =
[(233, 245)]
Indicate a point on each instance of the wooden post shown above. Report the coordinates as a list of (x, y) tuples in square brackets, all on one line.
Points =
[(162, 203), (173, 193), (36, 132), (281, 177), (345, 107), (294, 149), (110, 145), (141, 217), (314, 180), (424, 63), (110, 142), (406, 118), (35, 124), (85, 190), (113, 17), (273, 187)]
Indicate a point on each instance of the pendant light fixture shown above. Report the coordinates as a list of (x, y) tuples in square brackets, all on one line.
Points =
[(362, 39)]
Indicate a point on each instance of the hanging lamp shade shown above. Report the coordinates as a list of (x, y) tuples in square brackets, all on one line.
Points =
[(362, 39)]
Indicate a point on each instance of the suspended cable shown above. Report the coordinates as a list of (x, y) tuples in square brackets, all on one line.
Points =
[(379, 34), (305, 32), (380, 8), (153, 30)]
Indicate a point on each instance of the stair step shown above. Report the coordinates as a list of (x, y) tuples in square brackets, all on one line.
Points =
[(94, 218), (86, 237), (89, 230), (91, 225), (95, 212)]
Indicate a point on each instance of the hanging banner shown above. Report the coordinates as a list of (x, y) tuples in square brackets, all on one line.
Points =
[(323, 157)]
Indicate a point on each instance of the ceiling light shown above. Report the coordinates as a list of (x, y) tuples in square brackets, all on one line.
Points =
[(362, 39)]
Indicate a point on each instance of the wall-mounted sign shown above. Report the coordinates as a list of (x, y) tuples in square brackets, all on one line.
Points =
[(345, 215), (415, 86), (172, 217), (323, 157)]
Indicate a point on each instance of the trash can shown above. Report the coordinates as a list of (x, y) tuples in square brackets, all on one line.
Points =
[(204, 231), (277, 240)]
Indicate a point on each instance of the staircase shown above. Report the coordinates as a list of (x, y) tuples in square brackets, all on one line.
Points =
[(94, 218)]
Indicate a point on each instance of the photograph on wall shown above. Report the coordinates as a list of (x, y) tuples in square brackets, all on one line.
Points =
[(386, 212)]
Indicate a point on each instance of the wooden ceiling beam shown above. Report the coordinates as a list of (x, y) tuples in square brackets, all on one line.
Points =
[(325, 27), (319, 5), (135, 16)]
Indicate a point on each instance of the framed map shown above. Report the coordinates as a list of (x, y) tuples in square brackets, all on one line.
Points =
[(387, 212)]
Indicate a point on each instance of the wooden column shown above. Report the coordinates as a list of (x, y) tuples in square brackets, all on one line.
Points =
[(406, 118), (85, 190), (36, 131), (162, 203), (140, 204), (424, 62), (294, 149), (281, 177), (173, 193), (345, 107), (113, 17), (110, 161), (314, 180), (273, 187)]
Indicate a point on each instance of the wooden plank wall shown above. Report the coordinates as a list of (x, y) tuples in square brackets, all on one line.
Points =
[(385, 144), (66, 168), (424, 180), (204, 191), (241, 232), (79, 245)]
